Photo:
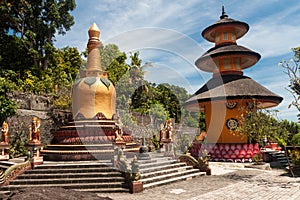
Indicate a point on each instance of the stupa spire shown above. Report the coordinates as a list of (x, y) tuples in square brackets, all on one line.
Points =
[(224, 15), (94, 58)]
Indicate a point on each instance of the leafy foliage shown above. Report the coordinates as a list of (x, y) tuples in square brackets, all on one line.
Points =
[(291, 68), (262, 123), (155, 142), (35, 24), (113, 61), (7, 106), (295, 156), (296, 140), (17, 145), (183, 143)]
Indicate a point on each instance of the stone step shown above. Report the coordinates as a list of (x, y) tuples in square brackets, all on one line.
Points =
[(158, 163), (5, 164), (70, 170), (104, 190), (156, 160), (104, 186), (79, 147), (168, 176), (71, 175), (282, 158), (85, 151), (163, 167), (166, 171), (43, 180), (74, 165), (80, 175), (173, 179)]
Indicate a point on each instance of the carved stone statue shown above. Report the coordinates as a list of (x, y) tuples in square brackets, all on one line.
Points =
[(169, 129), (166, 132), (118, 134), (4, 132), (34, 131), (161, 133)]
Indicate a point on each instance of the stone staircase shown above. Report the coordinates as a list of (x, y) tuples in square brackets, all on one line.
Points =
[(80, 175), (160, 170), (280, 157), (100, 176)]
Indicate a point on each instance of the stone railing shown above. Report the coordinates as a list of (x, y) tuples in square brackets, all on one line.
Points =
[(202, 163), (132, 173), (13, 171)]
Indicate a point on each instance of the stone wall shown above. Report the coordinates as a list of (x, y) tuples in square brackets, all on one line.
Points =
[(41, 106)]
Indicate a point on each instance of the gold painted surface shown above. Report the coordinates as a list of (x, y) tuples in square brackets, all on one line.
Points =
[(90, 100)]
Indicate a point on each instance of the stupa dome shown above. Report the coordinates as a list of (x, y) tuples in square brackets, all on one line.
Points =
[(94, 96)]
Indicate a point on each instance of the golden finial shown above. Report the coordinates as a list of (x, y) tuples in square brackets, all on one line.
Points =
[(94, 59), (94, 31)]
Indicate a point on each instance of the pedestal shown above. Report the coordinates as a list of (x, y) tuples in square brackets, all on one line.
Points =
[(143, 153), (34, 149), (169, 150), (136, 187), (120, 144), (4, 151)]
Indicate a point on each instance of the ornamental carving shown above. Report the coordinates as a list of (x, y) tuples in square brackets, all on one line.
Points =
[(231, 105), (232, 123)]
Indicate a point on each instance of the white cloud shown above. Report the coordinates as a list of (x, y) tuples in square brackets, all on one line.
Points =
[(160, 30), (272, 41)]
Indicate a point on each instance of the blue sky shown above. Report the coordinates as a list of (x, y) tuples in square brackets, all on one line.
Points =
[(168, 34)]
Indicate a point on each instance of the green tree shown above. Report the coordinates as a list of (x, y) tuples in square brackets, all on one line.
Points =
[(292, 128), (12, 55), (291, 68), (35, 23), (257, 125), (158, 114), (114, 62), (7, 106), (63, 69), (296, 140)]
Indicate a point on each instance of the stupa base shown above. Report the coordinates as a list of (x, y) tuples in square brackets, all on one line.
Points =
[(220, 152)]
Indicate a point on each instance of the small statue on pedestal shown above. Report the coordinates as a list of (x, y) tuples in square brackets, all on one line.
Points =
[(166, 132), (4, 133), (161, 133), (34, 131), (118, 134), (169, 129)]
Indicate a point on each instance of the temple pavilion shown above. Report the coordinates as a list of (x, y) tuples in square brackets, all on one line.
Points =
[(228, 94)]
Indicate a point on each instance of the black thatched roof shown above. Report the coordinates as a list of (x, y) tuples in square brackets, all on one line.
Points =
[(233, 86), (241, 28), (228, 49), (248, 56)]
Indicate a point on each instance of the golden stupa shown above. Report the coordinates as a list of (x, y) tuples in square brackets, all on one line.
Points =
[(93, 95)]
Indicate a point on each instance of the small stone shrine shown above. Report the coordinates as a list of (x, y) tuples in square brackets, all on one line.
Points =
[(34, 144), (4, 146), (166, 135)]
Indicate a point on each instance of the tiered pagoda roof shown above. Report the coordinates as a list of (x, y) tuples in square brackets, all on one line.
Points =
[(226, 60)]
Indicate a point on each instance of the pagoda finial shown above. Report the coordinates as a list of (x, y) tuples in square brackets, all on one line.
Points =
[(94, 58), (224, 15), (94, 31)]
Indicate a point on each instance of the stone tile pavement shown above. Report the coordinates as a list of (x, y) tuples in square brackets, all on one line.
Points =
[(263, 186), (231, 181)]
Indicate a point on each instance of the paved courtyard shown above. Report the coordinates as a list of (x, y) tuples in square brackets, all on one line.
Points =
[(231, 181)]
